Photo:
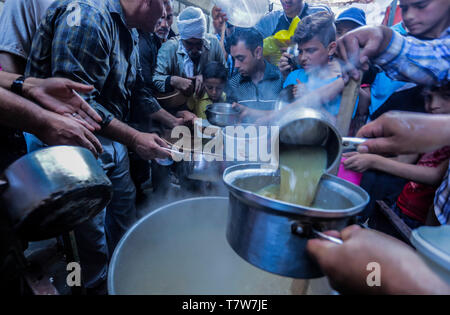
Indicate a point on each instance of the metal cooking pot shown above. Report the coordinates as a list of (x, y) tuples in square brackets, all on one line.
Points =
[(50, 191), (272, 234), (311, 127), (181, 248), (222, 114)]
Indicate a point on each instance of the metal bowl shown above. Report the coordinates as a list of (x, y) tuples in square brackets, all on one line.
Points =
[(222, 114)]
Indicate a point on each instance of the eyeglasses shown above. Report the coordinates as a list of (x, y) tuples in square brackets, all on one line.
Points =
[(189, 45)]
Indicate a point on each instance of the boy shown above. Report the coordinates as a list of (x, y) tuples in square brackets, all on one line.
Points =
[(415, 200), (316, 39), (214, 80)]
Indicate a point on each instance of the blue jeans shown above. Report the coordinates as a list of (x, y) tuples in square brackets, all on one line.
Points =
[(97, 238)]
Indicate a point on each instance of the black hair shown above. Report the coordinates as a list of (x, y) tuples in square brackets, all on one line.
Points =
[(215, 70), (250, 36), (320, 24)]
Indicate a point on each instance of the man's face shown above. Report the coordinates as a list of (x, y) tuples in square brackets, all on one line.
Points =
[(313, 55), (292, 7), (194, 47), (163, 26), (148, 14), (245, 60), (214, 87), (425, 18)]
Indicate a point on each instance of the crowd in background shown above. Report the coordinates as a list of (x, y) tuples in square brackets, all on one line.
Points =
[(137, 79)]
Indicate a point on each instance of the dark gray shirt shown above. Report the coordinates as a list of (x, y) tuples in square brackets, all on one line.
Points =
[(263, 95)]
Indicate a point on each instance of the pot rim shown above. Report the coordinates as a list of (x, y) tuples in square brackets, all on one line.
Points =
[(280, 207)]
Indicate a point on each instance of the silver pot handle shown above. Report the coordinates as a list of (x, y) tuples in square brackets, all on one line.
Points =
[(351, 143), (327, 237), (306, 230), (3, 185)]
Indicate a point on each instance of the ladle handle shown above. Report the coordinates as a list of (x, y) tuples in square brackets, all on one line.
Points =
[(327, 237), (352, 143)]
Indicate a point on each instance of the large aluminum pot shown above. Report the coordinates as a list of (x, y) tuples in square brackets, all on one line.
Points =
[(52, 190), (181, 249), (271, 234)]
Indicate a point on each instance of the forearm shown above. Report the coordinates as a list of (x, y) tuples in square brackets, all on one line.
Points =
[(120, 132), (12, 63), (330, 91), (165, 118), (19, 113), (412, 172)]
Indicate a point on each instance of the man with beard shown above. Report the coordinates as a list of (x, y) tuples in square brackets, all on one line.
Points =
[(182, 59)]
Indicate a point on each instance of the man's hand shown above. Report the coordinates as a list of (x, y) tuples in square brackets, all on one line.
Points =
[(187, 116), (404, 133), (186, 86), (357, 47), (219, 18), (199, 87), (402, 271), (59, 130), (149, 146), (285, 65), (59, 95)]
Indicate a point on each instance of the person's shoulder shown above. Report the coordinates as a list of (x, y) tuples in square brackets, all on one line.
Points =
[(171, 44), (270, 17)]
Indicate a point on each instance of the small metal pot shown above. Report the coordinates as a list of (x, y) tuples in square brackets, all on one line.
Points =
[(50, 191), (222, 114), (311, 127), (272, 234)]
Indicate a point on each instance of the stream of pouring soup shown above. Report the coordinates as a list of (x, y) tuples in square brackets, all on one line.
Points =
[(300, 170)]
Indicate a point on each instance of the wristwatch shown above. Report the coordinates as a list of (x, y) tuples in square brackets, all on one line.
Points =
[(17, 86)]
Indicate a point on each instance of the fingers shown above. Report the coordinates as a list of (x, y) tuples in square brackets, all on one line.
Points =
[(379, 146), (349, 154), (87, 109), (79, 87), (161, 142), (349, 231), (93, 139)]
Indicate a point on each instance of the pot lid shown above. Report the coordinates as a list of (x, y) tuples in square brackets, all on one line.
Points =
[(434, 243)]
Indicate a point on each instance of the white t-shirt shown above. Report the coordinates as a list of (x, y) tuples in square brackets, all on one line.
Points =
[(19, 21)]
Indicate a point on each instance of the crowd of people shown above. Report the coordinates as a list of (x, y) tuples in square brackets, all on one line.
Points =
[(99, 74)]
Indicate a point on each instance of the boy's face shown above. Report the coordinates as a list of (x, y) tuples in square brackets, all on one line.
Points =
[(313, 55), (343, 27), (214, 88), (426, 18), (438, 102)]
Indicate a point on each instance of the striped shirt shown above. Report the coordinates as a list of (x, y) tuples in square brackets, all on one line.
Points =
[(97, 49), (410, 59), (442, 201)]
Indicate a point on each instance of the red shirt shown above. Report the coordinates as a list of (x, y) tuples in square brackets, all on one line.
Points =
[(416, 199)]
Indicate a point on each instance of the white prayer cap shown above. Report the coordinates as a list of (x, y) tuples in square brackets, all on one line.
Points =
[(192, 23)]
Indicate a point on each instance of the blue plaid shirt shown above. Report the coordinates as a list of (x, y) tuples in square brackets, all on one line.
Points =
[(442, 201), (100, 50), (410, 59)]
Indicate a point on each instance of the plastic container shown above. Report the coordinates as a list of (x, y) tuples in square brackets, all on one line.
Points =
[(433, 244), (351, 176), (243, 13)]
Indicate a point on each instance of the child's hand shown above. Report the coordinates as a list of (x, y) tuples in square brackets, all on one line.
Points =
[(299, 89), (359, 162), (285, 64)]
